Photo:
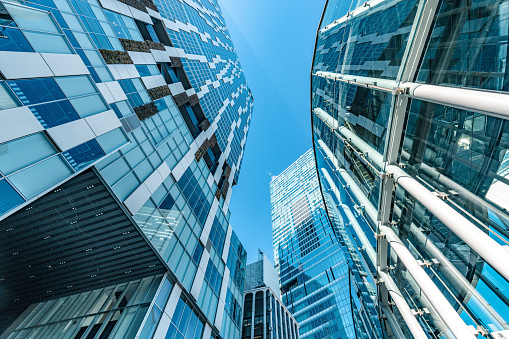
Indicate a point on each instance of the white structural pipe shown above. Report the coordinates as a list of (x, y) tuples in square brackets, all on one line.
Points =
[(490, 103), (381, 84), (462, 192), (353, 221), (491, 251), (405, 311), (368, 151), (444, 309), (452, 273)]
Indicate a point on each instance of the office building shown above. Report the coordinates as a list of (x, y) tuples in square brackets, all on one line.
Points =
[(409, 117), (122, 135), (323, 282), (264, 315)]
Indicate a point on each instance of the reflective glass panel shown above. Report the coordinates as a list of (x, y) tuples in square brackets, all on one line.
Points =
[(34, 91), (9, 198), (20, 153), (84, 154), (76, 86), (41, 176)]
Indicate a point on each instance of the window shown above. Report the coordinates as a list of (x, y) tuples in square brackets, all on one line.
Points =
[(20, 153)]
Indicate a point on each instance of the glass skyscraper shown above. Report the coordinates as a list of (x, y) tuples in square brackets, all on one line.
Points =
[(409, 116), (321, 283), (123, 126)]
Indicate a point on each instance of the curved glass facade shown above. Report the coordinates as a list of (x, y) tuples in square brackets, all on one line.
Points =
[(411, 142), (313, 261)]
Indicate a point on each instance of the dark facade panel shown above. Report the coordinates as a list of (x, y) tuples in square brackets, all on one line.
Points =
[(73, 239)]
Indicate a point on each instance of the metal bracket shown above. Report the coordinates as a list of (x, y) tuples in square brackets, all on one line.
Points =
[(441, 195), (400, 90)]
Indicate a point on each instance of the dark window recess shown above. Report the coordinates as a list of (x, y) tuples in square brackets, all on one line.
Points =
[(115, 57), (146, 111), (169, 74)]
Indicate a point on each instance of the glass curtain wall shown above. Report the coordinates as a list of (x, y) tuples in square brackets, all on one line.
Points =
[(411, 140)]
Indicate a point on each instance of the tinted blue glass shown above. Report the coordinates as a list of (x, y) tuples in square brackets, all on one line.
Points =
[(161, 104), (171, 332), (54, 113), (134, 99), (71, 38), (11, 39), (83, 57), (84, 154), (194, 195), (34, 91), (9, 198), (103, 41), (143, 70), (167, 203), (152, 33), (197, 252), (217, 235)]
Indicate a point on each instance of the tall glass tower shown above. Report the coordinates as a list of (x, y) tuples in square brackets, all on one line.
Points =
[(123, 129), (320, 284), (409, 115)]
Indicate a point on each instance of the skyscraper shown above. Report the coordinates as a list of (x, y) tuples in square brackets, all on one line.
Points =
[(123, 130), (264, 314), (328, 295), (409, 114)]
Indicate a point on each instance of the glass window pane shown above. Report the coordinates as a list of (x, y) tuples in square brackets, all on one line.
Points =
[(111, 140), (41, 176), (9, 198), (29, 18), (94, 58), (126, 186), (84, 154), (34, 91), (73, 23), (14, 41), (17, 154), (54, 113), (90, 105), (48, 43), (75, 86), (7, 99)]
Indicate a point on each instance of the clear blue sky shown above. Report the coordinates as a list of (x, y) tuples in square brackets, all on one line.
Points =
[(274, 40)]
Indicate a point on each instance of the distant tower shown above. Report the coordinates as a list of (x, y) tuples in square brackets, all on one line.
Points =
[(264, 315), (321, 285)]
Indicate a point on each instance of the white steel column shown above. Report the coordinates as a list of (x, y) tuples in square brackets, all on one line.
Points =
[(491, 251), (444, 309)]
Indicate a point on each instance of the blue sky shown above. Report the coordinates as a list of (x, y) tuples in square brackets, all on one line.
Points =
[(274, 40)]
